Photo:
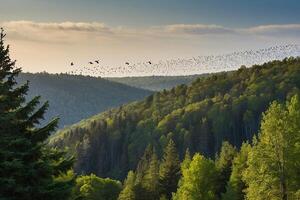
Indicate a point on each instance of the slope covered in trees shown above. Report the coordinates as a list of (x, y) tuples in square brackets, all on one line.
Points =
[(227, 106), (156, 83), (73, 98)]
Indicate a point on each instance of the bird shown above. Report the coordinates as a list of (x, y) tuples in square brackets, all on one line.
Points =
[(127, 63), (91, 63), (97, 61), (150, 62), (72, 63)]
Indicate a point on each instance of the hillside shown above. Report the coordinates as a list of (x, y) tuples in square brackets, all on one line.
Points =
[(225, 106), (73, 98), (156, 83)]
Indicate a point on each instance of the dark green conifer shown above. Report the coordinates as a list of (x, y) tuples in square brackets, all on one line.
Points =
[(169, 173), (28, 168)]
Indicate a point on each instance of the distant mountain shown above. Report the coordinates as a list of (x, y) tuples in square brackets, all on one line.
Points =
[(73, 98), (156, 83), (222, 107)]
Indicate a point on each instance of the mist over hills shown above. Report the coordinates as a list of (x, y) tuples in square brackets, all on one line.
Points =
[(156, 83), (73, 98)]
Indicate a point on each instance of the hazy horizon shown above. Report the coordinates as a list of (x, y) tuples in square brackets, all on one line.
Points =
[(49, 35)]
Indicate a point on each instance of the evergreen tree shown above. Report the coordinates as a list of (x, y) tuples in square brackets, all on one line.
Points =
[(274, 160), (198, 180), (144, 163), (223, 164), (169, 173), (128, 192), (150, 181), (236, 186), (28, 168), (146, 184)]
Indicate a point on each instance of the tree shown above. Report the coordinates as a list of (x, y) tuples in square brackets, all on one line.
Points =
[(146, 183), (198, 180), (95, 188), (236, 186), (150, 181), (28, 168), (169, 173), (223, 165), (273, 171), (128, 192)]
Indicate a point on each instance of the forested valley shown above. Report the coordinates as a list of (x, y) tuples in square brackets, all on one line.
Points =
[(198, 117), (232, 135)]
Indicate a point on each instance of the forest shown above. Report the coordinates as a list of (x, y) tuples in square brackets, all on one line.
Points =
[(232, 135), (224, 107), (75, 97), (156, 83)]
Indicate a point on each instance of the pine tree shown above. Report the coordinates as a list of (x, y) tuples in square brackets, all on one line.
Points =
[(150, 181), (146, 184), (28, 168), (223, 164), (128, 192), (169, 173), (236, 186)]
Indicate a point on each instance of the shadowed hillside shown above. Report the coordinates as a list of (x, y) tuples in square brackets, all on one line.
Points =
[(73, 98)]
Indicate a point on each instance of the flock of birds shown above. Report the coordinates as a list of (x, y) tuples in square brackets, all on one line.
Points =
[(188, 66)]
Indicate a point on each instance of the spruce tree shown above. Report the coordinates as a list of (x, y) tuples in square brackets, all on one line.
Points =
[(169, 173), (224, 166), (235, 189), (128, 192), (28, 168), (146, 182)]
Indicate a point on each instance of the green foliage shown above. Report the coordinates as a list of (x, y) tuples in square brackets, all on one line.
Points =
[(198, 180), (144, 184), (28, 168), (222, 107), (169, 173), (236, 186), (274, 161), (94, 188), (224, 164), (129, 189)]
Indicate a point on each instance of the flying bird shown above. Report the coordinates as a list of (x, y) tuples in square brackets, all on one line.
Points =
[(127, 63), (97, 61), (150, 62), (72, 63), (91, 63)]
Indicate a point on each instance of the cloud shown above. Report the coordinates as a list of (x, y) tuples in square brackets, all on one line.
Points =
[(197, 29), (76, 32), (63, 26), (64, 32), (275, 30)]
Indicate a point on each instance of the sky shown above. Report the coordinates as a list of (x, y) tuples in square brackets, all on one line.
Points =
[(46, 35)]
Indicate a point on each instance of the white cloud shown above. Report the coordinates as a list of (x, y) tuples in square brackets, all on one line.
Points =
[(68, 32), (197, 29), (35, 44), (275, 30)]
